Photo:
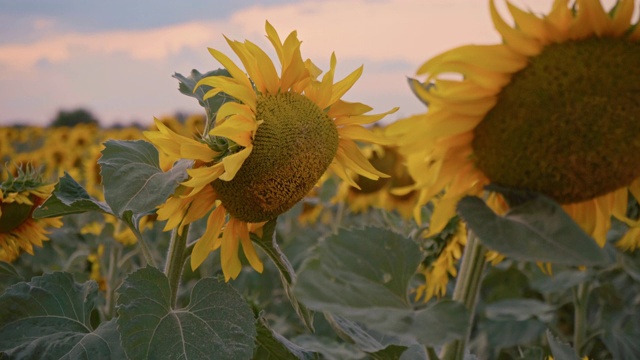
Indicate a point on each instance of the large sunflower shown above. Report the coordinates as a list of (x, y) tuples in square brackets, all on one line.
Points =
[(268, 148), (553, 109), (19, 231)]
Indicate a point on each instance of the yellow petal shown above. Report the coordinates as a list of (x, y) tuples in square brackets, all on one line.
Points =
[(210, 239), (344, 108), (514, 38), (350, 156), (621, 21), (339, 170), (231, 87), (233, 163), (342, 86), (357, 132), (362, 119), (237, 128), (231, 265), (196, 150), (443, 210), (203, 176), (233, 69), (249, 250), (270, 79), (233, 108)]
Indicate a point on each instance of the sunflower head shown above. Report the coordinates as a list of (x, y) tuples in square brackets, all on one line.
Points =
[(286, 161), (19, 196), (282, 129), (552, 109)]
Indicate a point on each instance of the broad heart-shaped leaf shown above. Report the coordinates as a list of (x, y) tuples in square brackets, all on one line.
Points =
[(48, 318), (188, 87), (8, 276), (534, 230), (270, 246), (69, 197), (363, 275), (273, 346), (133, 179), (217, 323)]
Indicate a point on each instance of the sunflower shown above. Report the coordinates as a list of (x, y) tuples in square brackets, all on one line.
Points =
[(380, 193), (19, 231), (553, 109), (268, 148)]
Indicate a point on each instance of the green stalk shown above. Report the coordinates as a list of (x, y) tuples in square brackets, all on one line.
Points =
[(581, 296), (175, 260), (466, 291)]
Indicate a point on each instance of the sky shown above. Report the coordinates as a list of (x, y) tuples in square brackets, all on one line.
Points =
[(116, 58)]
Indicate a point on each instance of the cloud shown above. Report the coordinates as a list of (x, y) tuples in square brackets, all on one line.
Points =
[(390, 37)]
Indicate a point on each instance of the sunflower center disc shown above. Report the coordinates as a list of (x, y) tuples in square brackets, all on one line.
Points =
[(568, 125), (292, 148)]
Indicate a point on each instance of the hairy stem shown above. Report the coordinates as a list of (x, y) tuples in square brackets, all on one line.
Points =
[(466, 291), (175, 260)]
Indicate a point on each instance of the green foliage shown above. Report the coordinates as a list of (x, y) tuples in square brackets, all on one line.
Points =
[(50, 317), (187, 87), (535, 230), (364, 275), (132, 177), (73, 118), (69, 197), (216, 323)]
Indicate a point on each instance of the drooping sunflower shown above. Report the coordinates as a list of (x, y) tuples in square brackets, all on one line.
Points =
[(268, 147), (380, 193), (19, 231), (553, 109)]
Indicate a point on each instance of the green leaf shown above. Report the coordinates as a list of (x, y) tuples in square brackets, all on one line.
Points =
[(69, 197), (216, 323), (133, 179), (187, 87), (364, 274), (560, 350), (534, 230), (270, 246), (391, 352), (49, 317), (354, 333), (519, 310), (273, 346), (8, 276)]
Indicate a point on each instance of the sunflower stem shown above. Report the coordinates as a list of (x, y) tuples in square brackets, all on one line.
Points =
[(175, 260), (466, 291), (581, 296)]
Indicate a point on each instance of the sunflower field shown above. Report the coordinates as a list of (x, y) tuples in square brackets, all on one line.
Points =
[(284, 222)]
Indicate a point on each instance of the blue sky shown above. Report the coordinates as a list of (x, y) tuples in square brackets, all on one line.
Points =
[(116, 57)]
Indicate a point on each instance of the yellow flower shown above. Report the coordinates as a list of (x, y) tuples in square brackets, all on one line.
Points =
[(380, 193), (19, 231), (268, 148), (552, 109)]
